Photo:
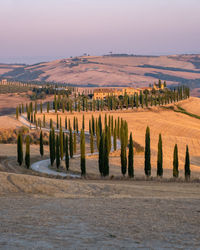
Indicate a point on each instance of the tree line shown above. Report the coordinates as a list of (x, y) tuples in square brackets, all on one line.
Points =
[(108, 135), (65, 103)]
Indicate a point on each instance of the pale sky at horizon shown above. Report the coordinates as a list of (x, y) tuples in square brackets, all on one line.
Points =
[(42, 30)]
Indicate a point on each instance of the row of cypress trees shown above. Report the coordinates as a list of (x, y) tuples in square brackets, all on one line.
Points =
[(147, 167), (57, 146), (111, 103)]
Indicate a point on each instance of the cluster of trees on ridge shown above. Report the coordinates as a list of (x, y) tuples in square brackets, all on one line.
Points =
[(64, 102), (60, 145)]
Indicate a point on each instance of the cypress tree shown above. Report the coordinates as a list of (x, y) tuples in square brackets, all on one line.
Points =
[(91, 142), (83, 123), (70, 143), (101, 154), (93, 125), (106, 156), (53, 144), (60, 122), (27, 155), (175, 162), (66, 123), (50, 147), (57, 125), (187, 164), (51, 123), (57, 152), (123, 152), (76, 125), (61, 143), (19, 149), (41, 144), (130, 158), (83, 163), (66, 154), (160, 158), (74, 143), (147, 167), (89, 126)]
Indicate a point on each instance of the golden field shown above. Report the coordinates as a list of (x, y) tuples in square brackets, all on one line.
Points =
[(174, 127)]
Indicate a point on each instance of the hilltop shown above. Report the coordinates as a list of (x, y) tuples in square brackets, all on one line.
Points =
[(111, 70)]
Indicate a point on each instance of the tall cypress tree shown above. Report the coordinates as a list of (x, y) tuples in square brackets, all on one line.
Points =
[(123, 151), (19, 149), (130, 158), (53, 144), (160, 158), (41, 144), (57, 125), (67, 154), (71, 143), (175, 162), (101, 154), (66, 123), (61, 143), (147, 167), (57, 152), (106, 155), (187, 164), (51, 148), (27, 155), (83, 162), (91, 142)]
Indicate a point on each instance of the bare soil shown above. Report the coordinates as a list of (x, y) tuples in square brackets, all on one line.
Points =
[(46, 213)]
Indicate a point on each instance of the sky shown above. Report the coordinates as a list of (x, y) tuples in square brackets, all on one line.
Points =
[(32, 31)]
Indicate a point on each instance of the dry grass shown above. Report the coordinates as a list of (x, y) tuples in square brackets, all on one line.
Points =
[(174, 127), (191, 106)]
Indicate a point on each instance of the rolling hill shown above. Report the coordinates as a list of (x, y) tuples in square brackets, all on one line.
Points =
[(111, 70)]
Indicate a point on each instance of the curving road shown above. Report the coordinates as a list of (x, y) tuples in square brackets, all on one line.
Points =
[(43, 165)]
